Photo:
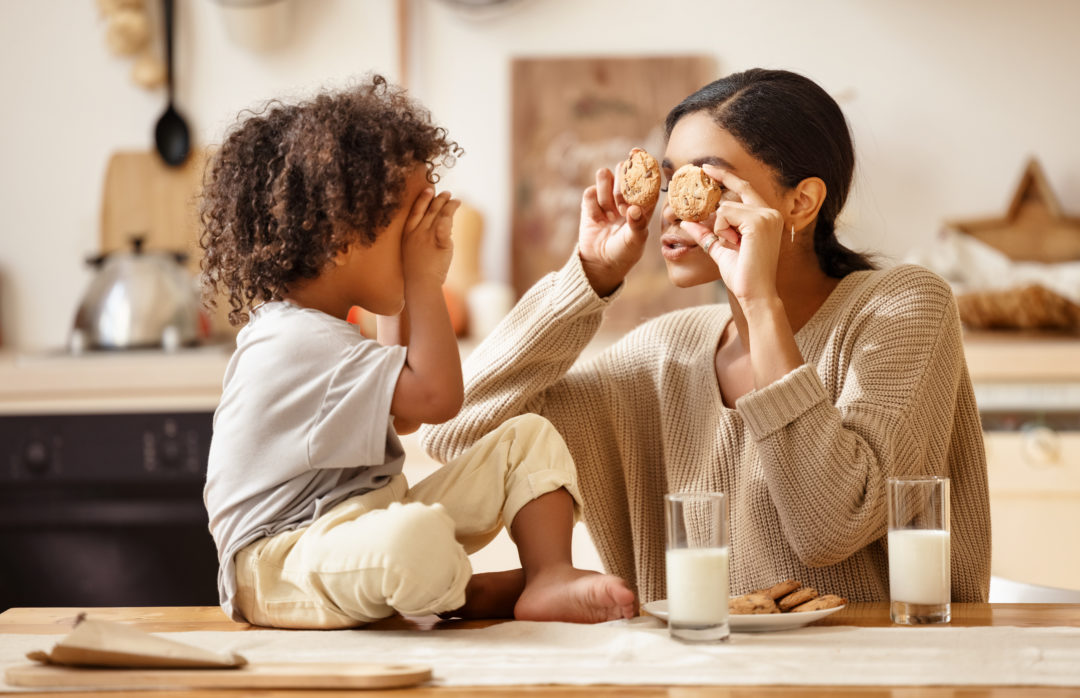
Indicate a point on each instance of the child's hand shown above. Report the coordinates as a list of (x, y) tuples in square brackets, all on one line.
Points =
[(426, 245), (429, 389)]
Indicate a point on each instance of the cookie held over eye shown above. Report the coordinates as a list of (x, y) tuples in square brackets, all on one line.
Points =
[(640, 179), (692, 194)]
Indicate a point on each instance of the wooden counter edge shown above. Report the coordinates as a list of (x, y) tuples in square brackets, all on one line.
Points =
[(190, 618)]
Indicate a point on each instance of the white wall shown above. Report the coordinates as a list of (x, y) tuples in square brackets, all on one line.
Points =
[(946, 100), (68, 103)]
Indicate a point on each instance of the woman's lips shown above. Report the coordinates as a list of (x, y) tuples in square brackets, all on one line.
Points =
[(673, 247)]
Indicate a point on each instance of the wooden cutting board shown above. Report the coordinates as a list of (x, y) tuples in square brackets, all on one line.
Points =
[(253, 676), (143, 196)]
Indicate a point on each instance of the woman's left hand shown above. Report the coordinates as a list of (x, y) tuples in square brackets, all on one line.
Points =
[(747, 234)]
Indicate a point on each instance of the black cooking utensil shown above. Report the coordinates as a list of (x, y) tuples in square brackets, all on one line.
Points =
[(171, 135)]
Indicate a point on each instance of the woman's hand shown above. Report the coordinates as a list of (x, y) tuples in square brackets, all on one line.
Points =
[(745, 244), (612, 235), (744, 240)]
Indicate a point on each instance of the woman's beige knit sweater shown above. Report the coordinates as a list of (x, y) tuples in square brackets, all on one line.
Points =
[(884, 391)]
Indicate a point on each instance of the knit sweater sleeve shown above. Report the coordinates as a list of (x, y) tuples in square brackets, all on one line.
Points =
[(529, 364), (527, 356), (896, 376)]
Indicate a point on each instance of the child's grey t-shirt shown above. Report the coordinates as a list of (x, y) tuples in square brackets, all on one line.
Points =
[(304, 422)]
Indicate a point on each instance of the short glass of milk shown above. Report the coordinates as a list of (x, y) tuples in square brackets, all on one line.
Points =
[(697, 565), (919, 550)]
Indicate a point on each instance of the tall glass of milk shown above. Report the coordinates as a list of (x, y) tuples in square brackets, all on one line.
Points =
[(697, 565), (919, 550)]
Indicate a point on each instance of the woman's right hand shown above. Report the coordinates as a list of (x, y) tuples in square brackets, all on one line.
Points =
[(612, 234)]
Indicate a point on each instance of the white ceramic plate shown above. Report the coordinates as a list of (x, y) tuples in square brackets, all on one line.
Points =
[(753, 623)]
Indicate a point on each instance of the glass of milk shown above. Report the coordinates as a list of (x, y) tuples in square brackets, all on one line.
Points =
[(919, 550), (697, 565)]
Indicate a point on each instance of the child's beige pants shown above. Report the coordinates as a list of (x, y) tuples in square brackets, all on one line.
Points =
[(399, 548)]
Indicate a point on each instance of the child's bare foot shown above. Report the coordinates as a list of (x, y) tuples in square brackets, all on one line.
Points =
[(490, 595), (575, 596)]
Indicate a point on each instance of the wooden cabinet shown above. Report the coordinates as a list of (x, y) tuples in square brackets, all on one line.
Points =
[(1028, 391)]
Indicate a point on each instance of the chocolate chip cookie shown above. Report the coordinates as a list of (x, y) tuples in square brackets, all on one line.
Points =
[(788, 596), (820, 603), (692, 194), (799, 596), (752, 603), (780, 589), (641, 179)]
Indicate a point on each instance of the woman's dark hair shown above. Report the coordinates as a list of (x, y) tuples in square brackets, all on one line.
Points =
[(294, 185), (792, 125)]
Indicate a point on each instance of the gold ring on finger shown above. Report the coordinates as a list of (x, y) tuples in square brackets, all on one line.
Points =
[(708, 241)]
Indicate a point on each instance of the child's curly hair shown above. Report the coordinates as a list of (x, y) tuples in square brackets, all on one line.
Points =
[(293, 186)]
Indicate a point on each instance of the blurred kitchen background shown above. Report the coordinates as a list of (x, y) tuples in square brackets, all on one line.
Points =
[(964, 115)]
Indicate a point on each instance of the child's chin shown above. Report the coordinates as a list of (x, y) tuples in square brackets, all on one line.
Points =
[(389, 308)]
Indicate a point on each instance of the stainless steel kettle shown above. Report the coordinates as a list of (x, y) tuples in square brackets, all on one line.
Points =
[(138, 299)]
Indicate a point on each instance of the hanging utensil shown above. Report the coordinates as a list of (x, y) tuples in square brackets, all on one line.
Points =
[(171, 135)]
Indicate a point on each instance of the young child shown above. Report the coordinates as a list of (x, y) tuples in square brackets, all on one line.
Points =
[(310, 209)]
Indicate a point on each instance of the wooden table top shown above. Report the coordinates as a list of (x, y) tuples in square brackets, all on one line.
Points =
[(181, 619)]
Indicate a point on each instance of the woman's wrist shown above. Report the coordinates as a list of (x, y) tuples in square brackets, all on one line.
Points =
[(773, 350), (762, 308), (603, 280)]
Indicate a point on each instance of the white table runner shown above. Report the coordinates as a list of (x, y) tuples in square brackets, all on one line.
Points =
[(639, 651)]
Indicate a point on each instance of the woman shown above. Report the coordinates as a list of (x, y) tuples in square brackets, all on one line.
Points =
[(818, 380)]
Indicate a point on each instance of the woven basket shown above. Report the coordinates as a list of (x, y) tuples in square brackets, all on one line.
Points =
[(1031, 307)]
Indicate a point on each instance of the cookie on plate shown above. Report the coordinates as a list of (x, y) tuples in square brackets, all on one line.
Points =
[(780, 589), (692, 194), (641, 179), (799, 596), (752, 603), (820, 603)]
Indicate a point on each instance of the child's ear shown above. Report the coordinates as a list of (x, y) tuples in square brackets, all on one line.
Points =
[(342, 258), (806, 200)]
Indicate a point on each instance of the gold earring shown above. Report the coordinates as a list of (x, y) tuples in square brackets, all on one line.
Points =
[(792, 232)]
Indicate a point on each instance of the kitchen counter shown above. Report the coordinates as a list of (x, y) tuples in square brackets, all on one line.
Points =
[(191, 378), (136, 380), (99, 382), (57, 621)]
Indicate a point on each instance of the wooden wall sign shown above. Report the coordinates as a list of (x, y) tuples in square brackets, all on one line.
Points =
[(572, 116)]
